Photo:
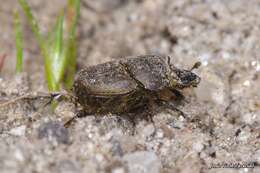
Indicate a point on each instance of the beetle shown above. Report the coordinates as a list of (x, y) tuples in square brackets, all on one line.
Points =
[(130, 83)]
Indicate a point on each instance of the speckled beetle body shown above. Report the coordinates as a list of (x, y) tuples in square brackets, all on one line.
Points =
[(130, 83)]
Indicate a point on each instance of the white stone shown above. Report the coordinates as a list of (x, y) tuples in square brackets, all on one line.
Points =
[(18, 131), (198, 146), (142, 162), (118, 170)]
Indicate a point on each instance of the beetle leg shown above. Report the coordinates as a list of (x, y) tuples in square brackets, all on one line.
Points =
[(68, 123), (150, 116), (79, 114), (171, 106), (108, 103), (180, 97), (172, 95), (131, 117), (147, 111), (150, 108), (177, 93)]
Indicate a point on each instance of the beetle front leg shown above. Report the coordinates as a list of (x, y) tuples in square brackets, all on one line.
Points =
[(79, 114), (177, 94), (170, 105)]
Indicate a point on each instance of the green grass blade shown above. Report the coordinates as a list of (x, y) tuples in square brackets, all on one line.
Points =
[(56, 56), (18, 42), (33, 23), (73, 10), (35, 28), (71, 54), (59, 52)]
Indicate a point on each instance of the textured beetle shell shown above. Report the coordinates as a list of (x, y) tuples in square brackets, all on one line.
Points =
[(105, 79), (107, 88), (120, 86), (150, 70)]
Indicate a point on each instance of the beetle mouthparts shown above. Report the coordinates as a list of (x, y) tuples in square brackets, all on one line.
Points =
[(196, 82)]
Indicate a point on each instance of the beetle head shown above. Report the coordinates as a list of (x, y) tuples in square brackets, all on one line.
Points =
[(183, 78)]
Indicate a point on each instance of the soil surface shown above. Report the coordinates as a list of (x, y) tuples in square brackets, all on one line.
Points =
[(223, 124)]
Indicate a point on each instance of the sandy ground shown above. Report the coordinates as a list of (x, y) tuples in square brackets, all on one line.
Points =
[(223, 129)]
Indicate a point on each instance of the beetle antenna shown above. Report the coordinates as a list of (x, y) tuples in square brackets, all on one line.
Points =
[(196, 65)]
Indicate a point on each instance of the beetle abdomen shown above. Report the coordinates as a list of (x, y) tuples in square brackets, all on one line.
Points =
[(113, 104), (107, 88)]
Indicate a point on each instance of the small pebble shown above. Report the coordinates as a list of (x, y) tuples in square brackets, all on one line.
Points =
[(249, 118), (244, 135), (159, 133), (116, 148), (142, 162), (198, 146), (18, 131), (67, 166), (148, 130), (19, 155), (118, 170)]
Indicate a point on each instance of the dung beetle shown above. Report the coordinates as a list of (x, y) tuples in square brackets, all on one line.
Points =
[(130, 83)]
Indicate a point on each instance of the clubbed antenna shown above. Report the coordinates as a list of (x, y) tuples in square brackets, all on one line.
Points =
[(196, 65)]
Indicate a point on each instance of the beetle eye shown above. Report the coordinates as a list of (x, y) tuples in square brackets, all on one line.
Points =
[(187, 78)]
